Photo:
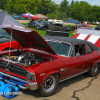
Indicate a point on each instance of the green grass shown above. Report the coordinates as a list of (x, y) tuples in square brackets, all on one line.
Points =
[(42, 32), (71, 33)]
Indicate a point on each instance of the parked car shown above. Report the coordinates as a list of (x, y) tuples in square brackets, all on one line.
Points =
[(96, 23), (58, 30), (15, 16), (81, 26), (43, 25), (97, 27), (43, 62), (59, 22), (32, 23)]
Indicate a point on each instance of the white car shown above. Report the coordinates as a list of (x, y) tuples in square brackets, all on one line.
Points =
[(59, 22)]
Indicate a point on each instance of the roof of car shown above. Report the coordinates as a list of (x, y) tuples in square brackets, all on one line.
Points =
[(72, 41)]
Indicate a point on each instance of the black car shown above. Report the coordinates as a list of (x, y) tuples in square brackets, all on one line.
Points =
[(43, 25), (97, 27)]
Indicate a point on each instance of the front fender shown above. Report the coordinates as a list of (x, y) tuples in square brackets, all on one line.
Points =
[(54, 72)]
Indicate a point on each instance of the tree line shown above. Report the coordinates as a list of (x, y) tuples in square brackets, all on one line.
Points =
[(81, 11)]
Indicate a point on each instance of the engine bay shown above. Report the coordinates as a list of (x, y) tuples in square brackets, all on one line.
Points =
[(27, 59)]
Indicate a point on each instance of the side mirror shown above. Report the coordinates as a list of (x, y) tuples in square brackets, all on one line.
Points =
[(77, 54)]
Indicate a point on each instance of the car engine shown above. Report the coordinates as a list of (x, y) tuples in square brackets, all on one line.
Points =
[(26, 59)]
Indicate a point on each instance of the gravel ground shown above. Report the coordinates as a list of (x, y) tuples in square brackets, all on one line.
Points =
[(77, 88)]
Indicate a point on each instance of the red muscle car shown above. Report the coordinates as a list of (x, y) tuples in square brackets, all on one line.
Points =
[(43, 62)]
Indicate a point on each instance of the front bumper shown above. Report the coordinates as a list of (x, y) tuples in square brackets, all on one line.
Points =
[(23, 84)]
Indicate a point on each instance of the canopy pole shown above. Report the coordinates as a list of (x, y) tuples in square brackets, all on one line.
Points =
[(9, 48)]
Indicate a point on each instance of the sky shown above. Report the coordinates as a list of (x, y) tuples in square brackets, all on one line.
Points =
[(91, 2)]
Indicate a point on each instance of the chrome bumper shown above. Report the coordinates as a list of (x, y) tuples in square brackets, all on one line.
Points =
[(31, 86)]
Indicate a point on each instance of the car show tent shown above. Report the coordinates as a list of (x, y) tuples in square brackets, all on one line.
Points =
[(40, 16), (6, 19)]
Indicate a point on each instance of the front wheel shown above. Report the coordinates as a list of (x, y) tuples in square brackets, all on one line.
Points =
[(94, 71), (49, 85)]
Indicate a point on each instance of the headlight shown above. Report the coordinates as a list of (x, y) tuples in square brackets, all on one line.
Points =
[(29, 76)]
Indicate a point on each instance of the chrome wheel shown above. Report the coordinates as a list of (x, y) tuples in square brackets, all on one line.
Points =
[(94, 71), (49, 83), (95, 68)]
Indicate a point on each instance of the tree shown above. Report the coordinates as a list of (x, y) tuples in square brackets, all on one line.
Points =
[(72, 2), (21, 6), (9, 6), (2, 2), (52, 10), (80, 10), (86, 11), (43, 7), (63, 8), (95, 13)]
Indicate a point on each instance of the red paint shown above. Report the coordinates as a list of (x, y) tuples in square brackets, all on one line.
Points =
[(87, 37), (75, 35), (73, 65)]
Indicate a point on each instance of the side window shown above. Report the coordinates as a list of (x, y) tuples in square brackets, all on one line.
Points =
[(73, 52), (89, 50), (80, 49)]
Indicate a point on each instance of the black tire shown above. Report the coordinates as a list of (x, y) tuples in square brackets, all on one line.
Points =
[(49, 85), (94, 71)]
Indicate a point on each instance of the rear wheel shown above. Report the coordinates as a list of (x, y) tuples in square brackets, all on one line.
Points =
[(49, 85), (94, 71)]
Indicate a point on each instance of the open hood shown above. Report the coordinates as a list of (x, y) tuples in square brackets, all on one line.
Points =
[(28, 38)]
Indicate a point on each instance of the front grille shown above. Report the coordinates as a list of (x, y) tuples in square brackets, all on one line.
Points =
[(13, 68)]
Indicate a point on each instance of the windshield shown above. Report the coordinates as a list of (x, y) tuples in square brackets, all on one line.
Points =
[(60, 48)]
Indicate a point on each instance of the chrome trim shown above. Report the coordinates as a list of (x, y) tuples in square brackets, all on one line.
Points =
[(33, 75), (14, 77), (58, 31), (73, 76), (46, 39), (32, 86), (22, 87)]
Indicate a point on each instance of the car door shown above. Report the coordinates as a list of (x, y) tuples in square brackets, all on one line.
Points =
[(92, 56), (78, 60)]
